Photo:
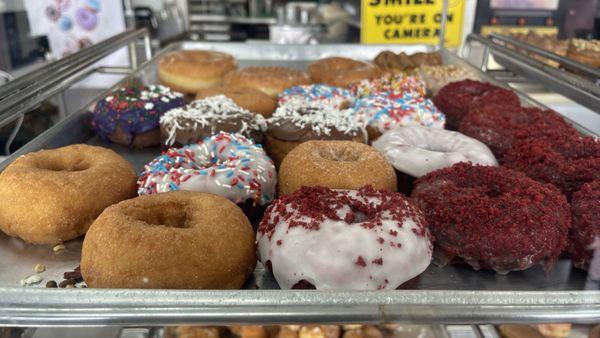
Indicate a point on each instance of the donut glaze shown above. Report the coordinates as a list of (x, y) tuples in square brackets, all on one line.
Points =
[(417, 151), (340, 71), (344, 239), (270, 80), (252, 99), (228, 165)]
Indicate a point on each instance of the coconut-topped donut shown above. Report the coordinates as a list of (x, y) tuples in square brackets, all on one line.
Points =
[(344, 239), (228, 165), (416, 151), (336, 97), (130, 115), (206, 117)]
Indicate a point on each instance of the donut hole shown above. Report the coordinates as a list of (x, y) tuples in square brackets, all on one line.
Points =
[(59, 164), (173, 215), (339, 154)]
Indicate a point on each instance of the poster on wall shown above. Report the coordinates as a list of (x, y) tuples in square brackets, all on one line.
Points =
[(410, 21), (71, 25)]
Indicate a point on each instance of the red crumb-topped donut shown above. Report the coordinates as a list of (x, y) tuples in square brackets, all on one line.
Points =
[(564, 162), (343, 239), (502, 96), (493, 217), (500, 127), (585, 209), (455, 99)]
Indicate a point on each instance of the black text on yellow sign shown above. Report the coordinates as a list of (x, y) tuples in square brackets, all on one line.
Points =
[(410, 21)]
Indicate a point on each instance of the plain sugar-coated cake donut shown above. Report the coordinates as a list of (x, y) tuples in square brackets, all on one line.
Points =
[(191, 70), (175, 240), (51, 196), (417, 151), (251, 99), (336, 165), (270, 80), (493, 217), (340, 71), (585, 209), (344, 239)]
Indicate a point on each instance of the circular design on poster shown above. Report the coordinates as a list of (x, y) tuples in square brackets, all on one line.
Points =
[(65, 23), (93, 5), (52, 13), (63, 5), (84, 42), (86, 19)]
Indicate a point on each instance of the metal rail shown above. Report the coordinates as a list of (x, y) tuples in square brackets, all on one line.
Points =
[(21, 95), (574, 87)]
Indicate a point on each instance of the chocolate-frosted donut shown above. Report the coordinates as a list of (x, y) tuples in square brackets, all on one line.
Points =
[(204, 118)]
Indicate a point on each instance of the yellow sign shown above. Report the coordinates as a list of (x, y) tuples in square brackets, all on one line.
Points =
[(410, 21)]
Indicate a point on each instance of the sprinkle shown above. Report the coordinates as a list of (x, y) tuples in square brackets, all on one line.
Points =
[(58, 248), (31, 280)]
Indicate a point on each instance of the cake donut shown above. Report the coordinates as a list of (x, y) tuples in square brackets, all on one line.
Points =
[(270, 80), (340, 71), (130, 115), (343, 239), (417, 151), (206, 117), (378, 113), (299, 121), (191, 70), (391, 85), (469, 207), (175, 240), (338, 98), (335, 165), (56, 194), (225, 164), (585, 232), (251, 99)]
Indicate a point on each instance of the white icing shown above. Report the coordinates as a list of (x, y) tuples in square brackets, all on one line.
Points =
[(327, 258), (417, 150)]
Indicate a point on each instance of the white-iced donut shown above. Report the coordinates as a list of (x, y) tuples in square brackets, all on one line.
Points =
[(344, 239), (225, 164), (417, 151)]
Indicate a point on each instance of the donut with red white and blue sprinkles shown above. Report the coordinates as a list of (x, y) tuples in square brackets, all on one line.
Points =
[(338, 98), (380, 113), (228, 165), (390, 85), (130, 115)]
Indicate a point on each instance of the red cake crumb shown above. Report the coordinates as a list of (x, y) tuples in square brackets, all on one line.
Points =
[(585, 209), (360, 261), (493, 217)]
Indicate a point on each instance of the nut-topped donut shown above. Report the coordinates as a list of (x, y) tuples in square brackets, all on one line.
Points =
[(336, 165), (191, 70), (51, 196), (340, 71), (225, 164), (206, 117), (343, 239), (270, 80)]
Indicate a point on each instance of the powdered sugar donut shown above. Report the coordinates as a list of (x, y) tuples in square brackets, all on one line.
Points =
[(344, 239), (336, 97), (225, 164), (417, 150)]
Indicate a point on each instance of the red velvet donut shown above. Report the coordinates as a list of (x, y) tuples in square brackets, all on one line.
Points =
[(585, 209), (493, 217), (500, 127), (564, 162)]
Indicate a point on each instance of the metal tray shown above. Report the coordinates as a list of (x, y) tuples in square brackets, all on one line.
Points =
[(451, 294)]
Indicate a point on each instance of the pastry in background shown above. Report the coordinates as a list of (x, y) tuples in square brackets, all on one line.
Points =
[(251, 99), (270, 80), (585, 51), (402, 62), (340, 71), (436, 77)]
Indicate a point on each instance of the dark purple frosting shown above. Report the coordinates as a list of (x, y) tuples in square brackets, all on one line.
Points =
[(135, 109)]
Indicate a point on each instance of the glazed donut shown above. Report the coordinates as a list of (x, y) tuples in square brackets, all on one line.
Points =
[(225, 164), (468, 207), (341, 72), (336, 165), (337, 98), (501, 127), (56, 194), (299, 121), (343, 239), (378, 113), (390, 85), (206, 117), (247, 98), (270, 80), (565, 162), (417, 151), (585, 209), (130, 115), (189, 71), (144, 242)]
